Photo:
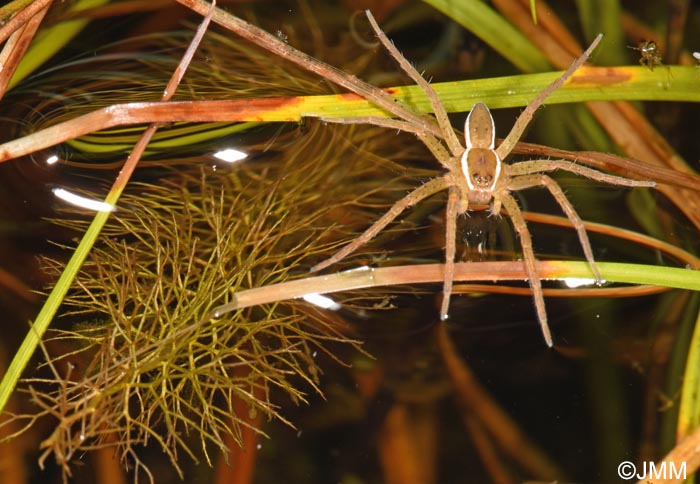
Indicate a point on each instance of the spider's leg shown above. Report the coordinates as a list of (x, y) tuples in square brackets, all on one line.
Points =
[(424, 191), (533, 166), (453, 202), (527, 181), (431, 142), (390, 123), (516, 216), (524, 119), (439, 110)]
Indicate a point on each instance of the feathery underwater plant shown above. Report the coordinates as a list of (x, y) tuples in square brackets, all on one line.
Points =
[(151, 370)]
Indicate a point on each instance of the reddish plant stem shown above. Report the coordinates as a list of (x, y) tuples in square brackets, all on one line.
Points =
[(21, 18)]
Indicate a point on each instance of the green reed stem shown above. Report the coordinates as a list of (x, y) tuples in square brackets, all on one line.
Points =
[(490, 26), (464, 272)]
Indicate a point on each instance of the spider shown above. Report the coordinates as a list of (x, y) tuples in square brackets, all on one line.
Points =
[(649, 54), (477, 175)]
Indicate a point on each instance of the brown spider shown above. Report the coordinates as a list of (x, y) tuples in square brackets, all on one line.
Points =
[(649, 54), (477, 175)]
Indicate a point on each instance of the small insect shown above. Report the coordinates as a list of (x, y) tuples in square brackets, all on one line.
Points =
[(477, 175), (650, 55)]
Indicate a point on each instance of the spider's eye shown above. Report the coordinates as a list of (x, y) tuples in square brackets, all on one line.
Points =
[(481, 180)]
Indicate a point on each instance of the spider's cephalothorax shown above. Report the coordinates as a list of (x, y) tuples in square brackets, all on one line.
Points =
[(480, 163)]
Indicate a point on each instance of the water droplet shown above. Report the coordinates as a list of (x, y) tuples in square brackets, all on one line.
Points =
[(281, 35)]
